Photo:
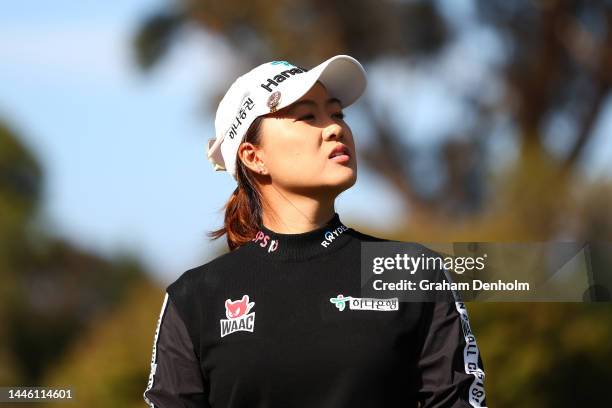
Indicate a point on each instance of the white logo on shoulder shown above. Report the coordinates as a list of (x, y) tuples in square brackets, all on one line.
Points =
[(238, 316), (355, 303)]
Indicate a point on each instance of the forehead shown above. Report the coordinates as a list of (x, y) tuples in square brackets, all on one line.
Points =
[(313, 102)]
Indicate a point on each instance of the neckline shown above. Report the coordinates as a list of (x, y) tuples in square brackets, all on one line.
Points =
[(302, 246)]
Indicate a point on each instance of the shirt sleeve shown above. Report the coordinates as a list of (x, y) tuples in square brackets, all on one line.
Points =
[(451, 372), (175, 379)]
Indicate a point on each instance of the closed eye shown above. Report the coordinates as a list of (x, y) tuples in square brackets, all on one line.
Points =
[(339, 115)]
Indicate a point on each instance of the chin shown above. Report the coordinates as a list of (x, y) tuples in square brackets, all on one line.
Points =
[(342, 181)]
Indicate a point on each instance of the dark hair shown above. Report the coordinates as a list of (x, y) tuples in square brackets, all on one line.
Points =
[(243, 210)]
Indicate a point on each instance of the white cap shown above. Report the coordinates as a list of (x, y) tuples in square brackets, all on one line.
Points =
[(273, 86)]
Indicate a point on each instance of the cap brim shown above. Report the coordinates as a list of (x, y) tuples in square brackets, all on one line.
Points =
[(344, 78), (342, 75)]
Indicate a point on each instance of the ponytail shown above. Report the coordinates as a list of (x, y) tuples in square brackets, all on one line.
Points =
[(243, 210)]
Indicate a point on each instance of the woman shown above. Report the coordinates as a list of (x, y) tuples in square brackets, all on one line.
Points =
[(293, 264)]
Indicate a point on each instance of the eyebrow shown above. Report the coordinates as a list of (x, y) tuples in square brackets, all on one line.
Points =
[(312, 103)]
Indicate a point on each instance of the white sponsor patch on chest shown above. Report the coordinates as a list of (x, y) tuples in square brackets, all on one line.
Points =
[(355, 303)]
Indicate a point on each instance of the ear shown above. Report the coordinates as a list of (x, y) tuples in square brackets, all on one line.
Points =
[(251, 156)]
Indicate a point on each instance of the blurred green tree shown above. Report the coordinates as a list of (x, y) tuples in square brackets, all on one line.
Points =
[(51, 289), (109, 365)]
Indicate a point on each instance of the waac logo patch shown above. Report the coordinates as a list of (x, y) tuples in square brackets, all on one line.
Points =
[(238, 316)]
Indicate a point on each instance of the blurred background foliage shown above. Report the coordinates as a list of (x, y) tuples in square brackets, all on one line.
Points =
[(71, 317)]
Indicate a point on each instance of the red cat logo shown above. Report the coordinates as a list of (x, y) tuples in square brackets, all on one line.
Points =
[(235, 309), (238, 316)]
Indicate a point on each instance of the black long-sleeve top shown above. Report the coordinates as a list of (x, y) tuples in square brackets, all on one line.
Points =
[(261, 326)]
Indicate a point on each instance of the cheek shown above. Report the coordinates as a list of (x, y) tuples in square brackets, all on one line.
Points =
[(302, 161), (297, 152)]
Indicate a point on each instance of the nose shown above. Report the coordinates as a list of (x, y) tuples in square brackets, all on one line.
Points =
[(333, 131)]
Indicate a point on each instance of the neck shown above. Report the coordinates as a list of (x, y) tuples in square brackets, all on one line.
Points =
[(302, 214)]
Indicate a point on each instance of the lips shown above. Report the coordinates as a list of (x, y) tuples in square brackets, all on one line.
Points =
[(339, 151)]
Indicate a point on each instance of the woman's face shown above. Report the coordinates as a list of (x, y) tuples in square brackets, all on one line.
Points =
[(297, 142)]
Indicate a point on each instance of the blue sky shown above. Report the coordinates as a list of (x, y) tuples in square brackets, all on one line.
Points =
[(124, 152)]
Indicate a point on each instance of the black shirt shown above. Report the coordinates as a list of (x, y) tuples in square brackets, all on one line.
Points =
[(261, 326)]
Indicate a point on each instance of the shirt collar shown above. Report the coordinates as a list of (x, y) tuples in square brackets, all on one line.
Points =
[(302, 246)]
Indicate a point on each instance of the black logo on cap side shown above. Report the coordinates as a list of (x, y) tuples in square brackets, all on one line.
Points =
[(283, 75)]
